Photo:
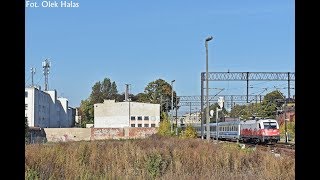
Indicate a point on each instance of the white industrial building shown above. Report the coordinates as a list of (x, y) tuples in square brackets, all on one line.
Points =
[(44, 109), (111, 114)]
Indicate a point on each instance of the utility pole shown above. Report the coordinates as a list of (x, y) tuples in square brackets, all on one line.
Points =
[(171, 111), (176, 118), (285, 121), (217, 124), (284, 110)]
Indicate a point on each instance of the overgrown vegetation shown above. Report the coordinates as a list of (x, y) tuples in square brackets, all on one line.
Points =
[(156, 157), (189, 132), (290, 130)]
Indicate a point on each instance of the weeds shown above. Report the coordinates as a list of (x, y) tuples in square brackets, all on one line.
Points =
[(156, 157)]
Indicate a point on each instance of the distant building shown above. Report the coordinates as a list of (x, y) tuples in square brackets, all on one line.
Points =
[(45, 110), (192, 118), (77, 116), (111, 114)]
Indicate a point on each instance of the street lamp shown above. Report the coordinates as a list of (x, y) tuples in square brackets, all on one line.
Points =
[(172, 105), (207, 90)]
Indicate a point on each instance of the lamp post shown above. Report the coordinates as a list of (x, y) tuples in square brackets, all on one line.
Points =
[(172, 105), (207, 91)]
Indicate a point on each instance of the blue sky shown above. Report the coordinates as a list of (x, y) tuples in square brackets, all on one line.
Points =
[(139, 41)]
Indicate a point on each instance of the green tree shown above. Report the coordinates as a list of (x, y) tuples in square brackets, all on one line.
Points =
[(106, 88), (103, 90), (272, 97), (86, 112), (237, 110), (113, 91), (96, 94), (142, 97), (160, 92), (119, 97)]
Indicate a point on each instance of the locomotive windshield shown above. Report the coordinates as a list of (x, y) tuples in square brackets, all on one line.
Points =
[(270, 125)]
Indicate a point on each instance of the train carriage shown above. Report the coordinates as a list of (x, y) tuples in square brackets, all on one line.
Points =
[(229, 130)]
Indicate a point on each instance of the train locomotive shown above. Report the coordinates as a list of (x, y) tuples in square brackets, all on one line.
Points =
[(253, 131)]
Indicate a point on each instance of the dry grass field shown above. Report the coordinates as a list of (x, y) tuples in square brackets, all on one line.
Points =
[(155, 157)]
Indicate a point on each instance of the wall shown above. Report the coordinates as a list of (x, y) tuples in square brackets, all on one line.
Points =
[(79, 134), (67, 134)]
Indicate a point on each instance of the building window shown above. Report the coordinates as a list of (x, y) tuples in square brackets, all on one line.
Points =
[(146, 125), (153, 118), (133, 125), (133, 118), (139, 125), (26, 94), (139, 117), (153, 125), (146, 118), (26, 107)]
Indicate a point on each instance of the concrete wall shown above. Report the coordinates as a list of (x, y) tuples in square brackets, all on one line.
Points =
[(141, 132), (79, 134), (67, 134), (107, 133)]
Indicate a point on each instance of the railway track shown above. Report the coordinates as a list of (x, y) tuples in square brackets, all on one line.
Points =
[(277, 149)]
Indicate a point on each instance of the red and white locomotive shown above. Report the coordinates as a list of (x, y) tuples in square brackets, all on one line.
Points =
[(262, 130)]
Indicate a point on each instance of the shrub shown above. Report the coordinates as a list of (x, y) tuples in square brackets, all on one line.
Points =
[(190, 132)]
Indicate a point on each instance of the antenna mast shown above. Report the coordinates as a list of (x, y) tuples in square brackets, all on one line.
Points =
[(46, 66), (33, 71)]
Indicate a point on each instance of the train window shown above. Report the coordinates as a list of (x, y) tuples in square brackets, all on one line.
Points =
[(270, 125), (259, 126)]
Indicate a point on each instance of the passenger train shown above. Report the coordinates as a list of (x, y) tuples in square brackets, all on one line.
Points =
[(254, 131)]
